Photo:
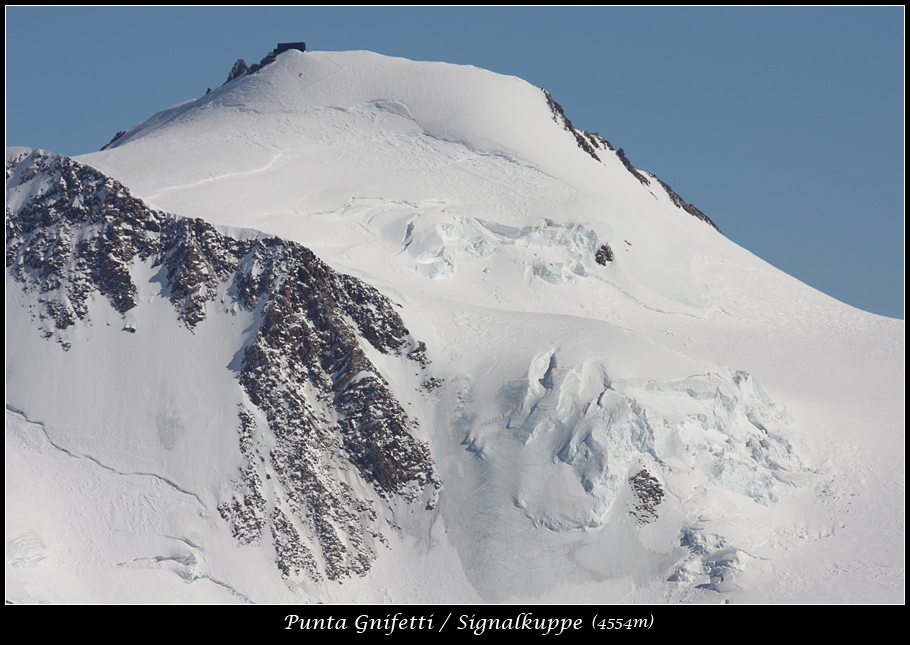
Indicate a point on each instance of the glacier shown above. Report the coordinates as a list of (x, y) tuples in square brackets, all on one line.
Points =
[(341, 330)]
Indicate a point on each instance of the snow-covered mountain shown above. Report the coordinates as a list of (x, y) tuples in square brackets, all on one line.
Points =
[(358, 328)]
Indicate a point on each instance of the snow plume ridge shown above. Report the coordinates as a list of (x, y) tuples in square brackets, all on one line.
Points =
[(315, 404)]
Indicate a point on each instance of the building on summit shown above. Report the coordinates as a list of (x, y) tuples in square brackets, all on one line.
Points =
[(283, 47)]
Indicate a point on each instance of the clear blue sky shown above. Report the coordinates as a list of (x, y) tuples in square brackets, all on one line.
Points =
[(784, 125)]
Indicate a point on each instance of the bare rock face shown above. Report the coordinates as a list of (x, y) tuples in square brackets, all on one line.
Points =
[(75, 235), (317, 405), (648, 494), (239, 69)]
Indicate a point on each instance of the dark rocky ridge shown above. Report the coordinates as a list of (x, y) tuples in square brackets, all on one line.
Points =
[(628, 164), (591, 142), (689, 208), (311, 388), (240, 67), (587, 141), (116, 138)]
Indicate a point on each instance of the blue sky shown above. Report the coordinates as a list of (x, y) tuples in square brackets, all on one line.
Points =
[(784, 125)]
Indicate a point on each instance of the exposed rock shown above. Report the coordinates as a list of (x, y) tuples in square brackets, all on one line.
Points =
[(268, 58), (418, 355), (648, 494), (591, 142), (640, 177), (114, 140), (316, 400), (431, 384), (604, 254), (77, 234), (292, 556), (586, 140), (689, 208), (247, 510), (239, 69)]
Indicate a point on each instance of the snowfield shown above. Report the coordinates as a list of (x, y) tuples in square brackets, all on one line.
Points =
[(680, 423)]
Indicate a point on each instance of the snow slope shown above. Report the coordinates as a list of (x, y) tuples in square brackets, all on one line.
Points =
[(681, 423)]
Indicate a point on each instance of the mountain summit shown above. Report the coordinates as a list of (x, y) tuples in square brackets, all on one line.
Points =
[(352, 328)]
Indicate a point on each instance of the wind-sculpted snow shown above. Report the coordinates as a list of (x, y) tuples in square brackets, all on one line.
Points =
[(316, 405)]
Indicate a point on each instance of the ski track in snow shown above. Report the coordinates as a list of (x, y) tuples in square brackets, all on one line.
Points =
[(151, 199)]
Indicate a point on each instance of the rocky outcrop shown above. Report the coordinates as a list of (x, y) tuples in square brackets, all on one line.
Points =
[(628, 164), (591, 142), (689, 208), (647, 495), (587, 141), (268, 58), (239, 69), (317, 405), (117, 138), (75, 235)]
